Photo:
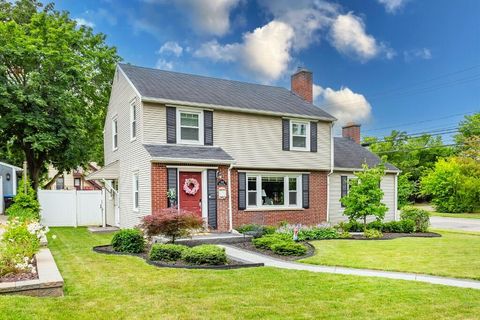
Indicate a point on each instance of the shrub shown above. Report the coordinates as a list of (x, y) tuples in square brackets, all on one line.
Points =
[(205, 254), (25, 206), (167, 252), (372, 234), (266, 242), (345, 235), (351, 226), (172, 223), (287, 248), (420, 217), (377, 225), (310, 233), (408, 225), (392, 227), (128, 240), (256, 230)]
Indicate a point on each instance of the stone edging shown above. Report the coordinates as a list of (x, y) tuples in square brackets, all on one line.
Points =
[(49, 282), (239, 263)]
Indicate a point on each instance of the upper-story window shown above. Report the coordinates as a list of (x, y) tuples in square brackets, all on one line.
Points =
[(133, 120), (299, 135), (190, 126), (114, 134)]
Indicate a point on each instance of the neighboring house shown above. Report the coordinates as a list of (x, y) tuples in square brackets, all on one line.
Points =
[(9, 176), (234, 152), (73, 180)]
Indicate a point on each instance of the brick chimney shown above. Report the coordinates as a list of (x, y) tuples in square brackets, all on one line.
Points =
[(302, 84), (351, 130)]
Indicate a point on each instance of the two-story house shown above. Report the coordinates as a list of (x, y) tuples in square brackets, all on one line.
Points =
[(230, 151)]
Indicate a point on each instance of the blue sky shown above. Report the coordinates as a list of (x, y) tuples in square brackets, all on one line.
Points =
[(383, 63)]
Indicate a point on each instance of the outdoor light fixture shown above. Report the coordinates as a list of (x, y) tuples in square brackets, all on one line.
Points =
[(8, 176)]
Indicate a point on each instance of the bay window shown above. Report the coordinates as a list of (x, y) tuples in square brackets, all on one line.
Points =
[(273, 190)]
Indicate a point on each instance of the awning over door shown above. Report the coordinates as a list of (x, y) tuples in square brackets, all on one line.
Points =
[(109, 172)]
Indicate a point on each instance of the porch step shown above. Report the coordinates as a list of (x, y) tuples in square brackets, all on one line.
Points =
[(103, 229), (208, 238)]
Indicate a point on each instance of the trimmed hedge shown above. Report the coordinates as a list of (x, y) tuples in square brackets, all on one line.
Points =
[(403, 226), (128, 240), (420, 217), (266, 242), (167, 252), (286, 248), (256, 230), (205, 254), (372, 234)]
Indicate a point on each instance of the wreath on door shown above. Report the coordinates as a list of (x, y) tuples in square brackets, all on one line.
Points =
[(191, 186)]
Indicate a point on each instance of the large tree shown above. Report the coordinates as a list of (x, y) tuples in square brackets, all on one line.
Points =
[(55, 81)]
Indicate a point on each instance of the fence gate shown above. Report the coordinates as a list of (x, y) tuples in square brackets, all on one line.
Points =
[(70, 208)]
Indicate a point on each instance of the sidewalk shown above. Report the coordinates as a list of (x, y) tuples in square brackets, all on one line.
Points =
[(249, 256)]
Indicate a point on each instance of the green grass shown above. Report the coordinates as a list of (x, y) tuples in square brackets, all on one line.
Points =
[(455, 254), (121, 287), (447, 215)]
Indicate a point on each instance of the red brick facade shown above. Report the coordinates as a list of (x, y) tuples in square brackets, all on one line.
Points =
[(302, 84), (315, 214)]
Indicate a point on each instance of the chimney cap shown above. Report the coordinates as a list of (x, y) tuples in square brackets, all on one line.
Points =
[(351, 124), (300, 70)]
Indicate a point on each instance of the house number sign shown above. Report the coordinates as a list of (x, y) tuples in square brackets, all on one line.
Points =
[(222, 192)]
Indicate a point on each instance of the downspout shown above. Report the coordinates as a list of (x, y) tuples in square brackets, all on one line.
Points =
[(230, 222), (331, 170), (395, 217)]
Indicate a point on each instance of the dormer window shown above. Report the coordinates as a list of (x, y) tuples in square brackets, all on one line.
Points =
[(299, 135), (190, 126)]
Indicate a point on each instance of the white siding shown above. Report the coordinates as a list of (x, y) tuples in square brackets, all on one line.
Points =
[(336, 210), (132, 155), (254, 141)]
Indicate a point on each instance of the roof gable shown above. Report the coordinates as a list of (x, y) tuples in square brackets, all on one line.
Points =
[(174, 86)]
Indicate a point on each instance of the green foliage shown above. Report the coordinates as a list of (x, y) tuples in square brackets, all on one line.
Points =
[(420, 217), (266, 242), (128, 240), (25, 205), (17, 247), (406, 189), (469, 127), (310, 233), (287, 248), (345, 235), (364, 197), (454, 185), (55, 81), (372, 234), (205, 254), (256, 230), (167, 252), (404, 226), (352, 226)]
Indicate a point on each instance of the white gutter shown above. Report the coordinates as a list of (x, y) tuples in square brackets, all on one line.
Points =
[(230, 215), (332, 158), (191, 160)]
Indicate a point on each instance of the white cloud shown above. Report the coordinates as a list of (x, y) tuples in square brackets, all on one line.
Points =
[(392, 6), (265, 51), (348, 36), (209, 16), (171, 47), (164, 64), (417, 54), (84, 22), (344, 104)]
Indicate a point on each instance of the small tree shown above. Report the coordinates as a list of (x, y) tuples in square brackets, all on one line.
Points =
[(365, 195), (25, 205), (172, 223)]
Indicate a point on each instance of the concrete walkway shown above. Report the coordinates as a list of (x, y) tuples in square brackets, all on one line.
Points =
[(460, 224), (249, 256)]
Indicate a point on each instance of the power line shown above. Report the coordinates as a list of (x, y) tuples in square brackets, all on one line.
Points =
[(415, 149), (412, 136)]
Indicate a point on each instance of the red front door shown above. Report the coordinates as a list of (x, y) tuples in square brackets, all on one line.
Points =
[(191, 202)]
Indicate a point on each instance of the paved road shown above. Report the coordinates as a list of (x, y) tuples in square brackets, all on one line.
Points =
[(253, 257), (455, 224)]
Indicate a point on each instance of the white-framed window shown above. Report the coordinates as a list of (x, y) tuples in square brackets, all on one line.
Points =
[(115, 133), (190, 126), (135, 190), (133, 120), (299, 135), (273, 190)]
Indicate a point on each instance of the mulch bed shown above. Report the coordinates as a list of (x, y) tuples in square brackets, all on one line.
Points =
[(250, 247), (231, 264), (21, 276), (390, 236)]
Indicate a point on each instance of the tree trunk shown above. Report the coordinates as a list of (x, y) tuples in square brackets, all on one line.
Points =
[(34, 168), (364, 223)]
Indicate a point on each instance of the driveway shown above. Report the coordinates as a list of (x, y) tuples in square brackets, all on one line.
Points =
[(455, 224)]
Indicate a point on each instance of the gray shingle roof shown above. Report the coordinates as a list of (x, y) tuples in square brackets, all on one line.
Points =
[(160, 84), (175, 151), (351, 155)]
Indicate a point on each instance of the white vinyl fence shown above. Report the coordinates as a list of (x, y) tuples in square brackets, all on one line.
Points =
[(1, 195), (70, 208)]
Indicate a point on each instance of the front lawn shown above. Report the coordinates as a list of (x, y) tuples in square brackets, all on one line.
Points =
[(124, 287), (455, 254), (455, 215)]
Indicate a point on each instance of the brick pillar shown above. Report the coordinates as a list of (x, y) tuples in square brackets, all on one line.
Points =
[(222, 205), (159, 187)]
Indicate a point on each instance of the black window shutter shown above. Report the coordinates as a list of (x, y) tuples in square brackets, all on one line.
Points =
[(305, 191), (285, 134), (208, 127), (344, 187), (212, 197), (242, 192), (172, 182), (171, 125), (313, 136)]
